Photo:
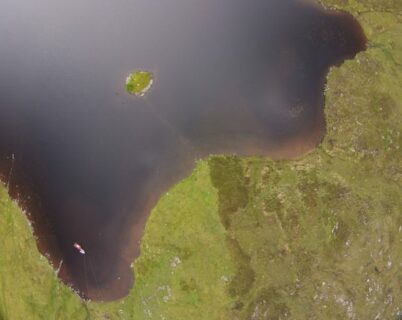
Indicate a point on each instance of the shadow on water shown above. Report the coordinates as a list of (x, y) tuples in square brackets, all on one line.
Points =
[(90, 161)]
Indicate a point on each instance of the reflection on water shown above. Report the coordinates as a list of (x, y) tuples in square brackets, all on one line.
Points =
[(91, 160)]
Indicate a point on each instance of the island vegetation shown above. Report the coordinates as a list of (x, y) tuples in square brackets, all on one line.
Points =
[(139, 82), (318, 237)]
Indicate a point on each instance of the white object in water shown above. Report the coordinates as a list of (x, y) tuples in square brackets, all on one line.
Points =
[(79, 248)]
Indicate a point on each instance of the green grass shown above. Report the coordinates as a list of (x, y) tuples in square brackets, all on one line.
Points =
[(184, 268), (138, 83), (184, 264), (29, 287), (319, 237)]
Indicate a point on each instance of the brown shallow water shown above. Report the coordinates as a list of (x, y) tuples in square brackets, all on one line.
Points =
[(89, 162)]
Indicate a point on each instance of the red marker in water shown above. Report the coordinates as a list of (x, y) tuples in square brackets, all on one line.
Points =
[(79, 248)]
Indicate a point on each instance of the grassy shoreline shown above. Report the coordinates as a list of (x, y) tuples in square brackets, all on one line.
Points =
[(250, 238)]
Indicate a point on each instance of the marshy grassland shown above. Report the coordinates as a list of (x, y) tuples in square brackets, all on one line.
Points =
[(318, 237)]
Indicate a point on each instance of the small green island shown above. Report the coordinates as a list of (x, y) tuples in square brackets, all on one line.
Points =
[(138, 83)]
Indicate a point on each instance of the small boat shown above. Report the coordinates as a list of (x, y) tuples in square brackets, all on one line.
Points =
[(79, 248)]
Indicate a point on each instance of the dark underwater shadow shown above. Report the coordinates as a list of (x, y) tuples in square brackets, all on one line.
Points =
[(89, 162)]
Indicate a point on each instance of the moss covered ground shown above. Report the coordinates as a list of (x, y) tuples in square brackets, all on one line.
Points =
[(319, 237)]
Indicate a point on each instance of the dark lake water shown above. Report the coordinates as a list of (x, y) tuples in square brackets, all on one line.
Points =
[(88, 161)]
